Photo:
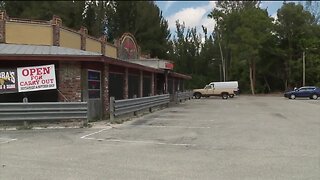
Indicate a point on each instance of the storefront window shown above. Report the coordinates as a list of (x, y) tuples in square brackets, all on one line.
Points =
[(94, 84)]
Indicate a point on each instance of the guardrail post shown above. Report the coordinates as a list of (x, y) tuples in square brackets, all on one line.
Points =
[(25, 124), (176, 97), (86, 120), (111, 109)]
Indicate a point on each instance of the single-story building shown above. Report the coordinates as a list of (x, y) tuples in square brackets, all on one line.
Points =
[(85, 68)]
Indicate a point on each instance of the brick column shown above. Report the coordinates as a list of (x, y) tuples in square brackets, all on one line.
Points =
[(141, 84), (105, 89), (103, 40), (83, 32), (125, 87), (3, 19), (56, 23), (69, 81), (153, 84)]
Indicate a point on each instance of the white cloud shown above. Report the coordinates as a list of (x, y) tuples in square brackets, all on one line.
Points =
[(168, 5), (193, 17)]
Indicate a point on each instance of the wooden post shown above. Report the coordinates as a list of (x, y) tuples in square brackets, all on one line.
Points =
[(141, 84), (176, 97), (153, 84), (166, 82), (126, 83)]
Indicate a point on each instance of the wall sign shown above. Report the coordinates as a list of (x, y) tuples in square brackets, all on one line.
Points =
[(36, 78), (8, 81), (169, 65), (128, 48)]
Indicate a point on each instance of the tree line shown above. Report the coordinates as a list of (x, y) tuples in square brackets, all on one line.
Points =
[(263, 53)]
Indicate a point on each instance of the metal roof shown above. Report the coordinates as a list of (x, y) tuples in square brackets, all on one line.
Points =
[(19, 49)]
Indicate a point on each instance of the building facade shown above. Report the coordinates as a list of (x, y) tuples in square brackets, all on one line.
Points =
[(86, 68)]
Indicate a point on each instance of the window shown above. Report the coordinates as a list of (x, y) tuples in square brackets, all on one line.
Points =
[(94, 84), (208, 87)]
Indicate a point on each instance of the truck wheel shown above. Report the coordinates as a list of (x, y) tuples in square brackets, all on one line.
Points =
[(231, 95), (197, 95), (224, 95)]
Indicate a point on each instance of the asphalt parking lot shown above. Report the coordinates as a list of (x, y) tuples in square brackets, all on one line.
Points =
[(241, 138)]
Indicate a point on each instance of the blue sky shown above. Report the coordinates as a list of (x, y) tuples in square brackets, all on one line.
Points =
[(194, 13)]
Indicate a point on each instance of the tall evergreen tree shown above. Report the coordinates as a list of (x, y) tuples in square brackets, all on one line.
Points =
[(144, 20), (70, 12), (294, 26)]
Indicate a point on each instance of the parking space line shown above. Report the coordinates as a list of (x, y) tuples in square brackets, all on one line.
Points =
[(179, 127), (140, 142), (85, 136), (165, 119), (7, 140), (148, 142), (131, 141)]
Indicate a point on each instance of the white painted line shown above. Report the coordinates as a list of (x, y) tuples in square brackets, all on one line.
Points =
[(7, 140), (141, 142), (130, 141), (166, 119), (180, 127), (148, 142), (94, 139), (85, 136)]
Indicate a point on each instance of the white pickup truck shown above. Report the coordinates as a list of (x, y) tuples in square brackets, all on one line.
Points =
[(223, 89)]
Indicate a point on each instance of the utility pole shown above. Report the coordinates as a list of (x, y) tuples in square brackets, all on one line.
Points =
[(304, 68), (223, 63), (220, 69), (220, 72)]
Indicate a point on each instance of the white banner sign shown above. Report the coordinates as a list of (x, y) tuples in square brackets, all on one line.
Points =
[(36, 78)]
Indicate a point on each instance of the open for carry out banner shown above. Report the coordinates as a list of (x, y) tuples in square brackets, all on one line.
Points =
[(36, 78)]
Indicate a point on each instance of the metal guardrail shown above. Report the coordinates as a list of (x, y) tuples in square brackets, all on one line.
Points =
[(120, 107), (43, 111), (184, 95)]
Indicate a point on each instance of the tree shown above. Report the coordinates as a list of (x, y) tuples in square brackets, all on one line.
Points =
[(294, 29), (242, 27), (70, 12), (194, 57), (314, 8), (144, 20)]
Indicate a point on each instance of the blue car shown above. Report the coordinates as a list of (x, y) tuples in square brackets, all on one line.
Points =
[(311, 92)]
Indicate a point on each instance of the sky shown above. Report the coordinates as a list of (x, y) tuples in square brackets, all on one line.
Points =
[(194, 13)]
